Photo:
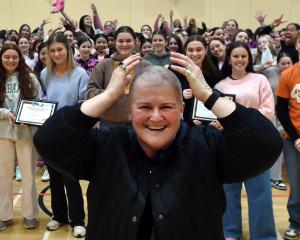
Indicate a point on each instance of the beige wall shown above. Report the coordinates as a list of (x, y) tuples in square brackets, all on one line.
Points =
[(137, 12)]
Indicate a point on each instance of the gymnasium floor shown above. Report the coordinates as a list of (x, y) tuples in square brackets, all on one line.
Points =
[(16, 231)]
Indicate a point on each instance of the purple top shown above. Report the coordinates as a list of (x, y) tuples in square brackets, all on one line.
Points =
[(87, 65)]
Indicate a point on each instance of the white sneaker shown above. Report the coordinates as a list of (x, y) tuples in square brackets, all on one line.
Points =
[(79, 231), (291, 234), (18, 174), (45, 177), (53, 225)]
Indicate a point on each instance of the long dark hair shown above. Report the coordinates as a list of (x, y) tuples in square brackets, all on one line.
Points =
[(21, 28), (30, 51), (208, 67), (214, 60), (100, 35), (27, 89), (39, 65), (124, 29), (282, 55), (227, 70), (82, 27), (178, 41)]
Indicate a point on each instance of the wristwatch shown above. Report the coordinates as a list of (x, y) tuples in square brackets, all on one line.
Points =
[(210, 102)]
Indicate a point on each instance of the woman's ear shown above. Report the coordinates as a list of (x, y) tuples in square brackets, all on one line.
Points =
[(182, 109), (129, 112)]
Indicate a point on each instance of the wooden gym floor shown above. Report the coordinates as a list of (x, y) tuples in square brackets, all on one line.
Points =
[(16, 231)]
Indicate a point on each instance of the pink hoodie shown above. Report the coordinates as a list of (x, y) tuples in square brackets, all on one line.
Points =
[(253, 91)]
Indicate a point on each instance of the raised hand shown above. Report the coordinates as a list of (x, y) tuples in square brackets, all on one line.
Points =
[(93, 7), (185, 66), (207, 35), (44, 22), (277, 21), (260, 16), (121, 78), (115, 22), (118, 83)]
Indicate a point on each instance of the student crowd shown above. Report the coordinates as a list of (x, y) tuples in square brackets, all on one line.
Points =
[(73, 63)]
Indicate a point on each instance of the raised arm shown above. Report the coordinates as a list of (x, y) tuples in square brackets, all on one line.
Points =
[(157, 22), (201, 90), (66, 140), (70, 21), (171, 21), (260, 17), (96, 18), (167, 28), (249, 144), (41, 28), (56, 29), (99, 104), (185, 22)]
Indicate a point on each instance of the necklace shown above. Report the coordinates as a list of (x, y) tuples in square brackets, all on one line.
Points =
[(233, 77)]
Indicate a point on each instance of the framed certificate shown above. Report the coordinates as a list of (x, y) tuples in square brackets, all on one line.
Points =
[(34, 113), (200, 112)]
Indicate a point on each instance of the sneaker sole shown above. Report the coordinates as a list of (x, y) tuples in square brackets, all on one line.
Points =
[(31, 227), (279, 188), (79, 236), (53, 229), (291, 238), (6, 224), (3, 228)]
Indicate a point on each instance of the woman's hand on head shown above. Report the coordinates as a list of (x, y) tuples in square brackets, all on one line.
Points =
[(121, 77), (185, 66)]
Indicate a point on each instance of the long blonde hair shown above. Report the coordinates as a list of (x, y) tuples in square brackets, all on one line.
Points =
[(271, 47), (59, 37)]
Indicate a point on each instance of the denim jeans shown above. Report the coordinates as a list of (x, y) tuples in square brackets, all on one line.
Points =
[(261, 218), (292, 159)]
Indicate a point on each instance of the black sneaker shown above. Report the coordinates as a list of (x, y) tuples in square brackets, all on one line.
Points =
[(278, 184)]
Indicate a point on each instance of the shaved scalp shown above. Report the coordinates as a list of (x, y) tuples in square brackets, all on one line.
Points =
[(156, 76)]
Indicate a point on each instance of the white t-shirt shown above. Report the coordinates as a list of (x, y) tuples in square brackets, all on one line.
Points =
[(31, 62)]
